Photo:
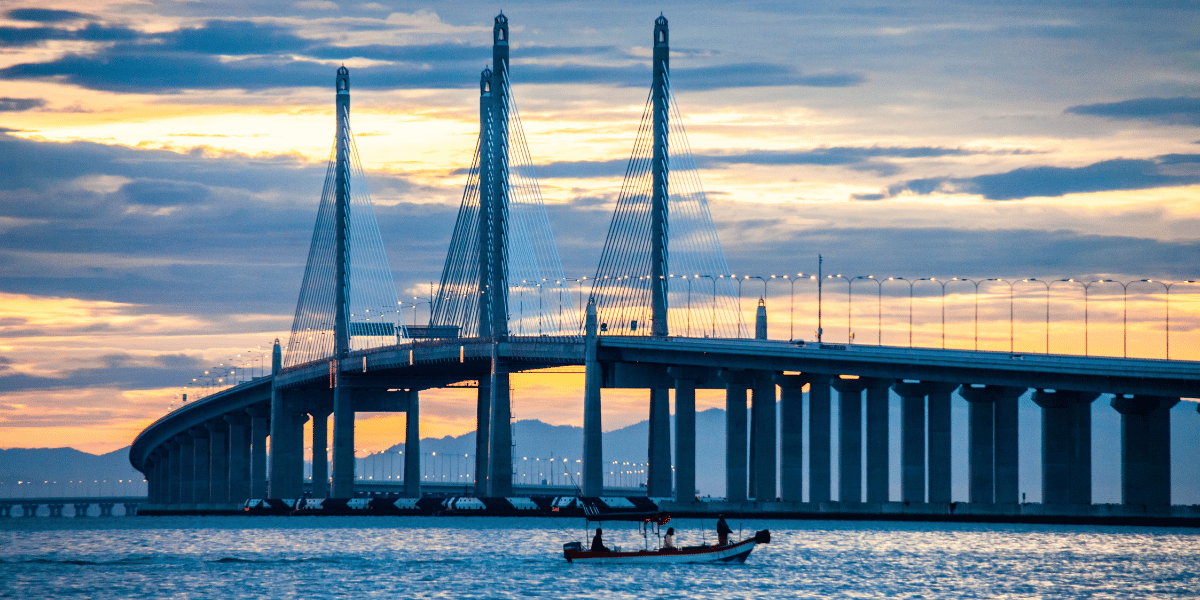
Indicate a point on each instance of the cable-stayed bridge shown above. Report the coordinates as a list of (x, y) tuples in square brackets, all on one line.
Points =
[(497, 311)]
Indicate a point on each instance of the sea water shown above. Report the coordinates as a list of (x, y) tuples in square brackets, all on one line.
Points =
[(492, 557)]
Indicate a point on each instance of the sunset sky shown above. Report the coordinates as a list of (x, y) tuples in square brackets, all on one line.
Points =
[(161, 164)]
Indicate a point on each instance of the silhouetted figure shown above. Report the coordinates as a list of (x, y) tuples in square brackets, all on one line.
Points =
[(669, 541), (723, 531), (598, 543)]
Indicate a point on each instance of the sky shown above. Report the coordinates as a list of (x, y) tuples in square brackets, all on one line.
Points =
[(161, 164)]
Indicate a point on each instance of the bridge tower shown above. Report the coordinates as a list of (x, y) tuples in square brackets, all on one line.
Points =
[(502, 274), (347, 303), (661, 243)]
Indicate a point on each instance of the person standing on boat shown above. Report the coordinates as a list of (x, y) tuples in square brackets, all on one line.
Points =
[(598, 543), (669, 541), (723, 531)]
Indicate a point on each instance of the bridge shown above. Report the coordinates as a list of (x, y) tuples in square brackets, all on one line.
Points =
[(350, 351)]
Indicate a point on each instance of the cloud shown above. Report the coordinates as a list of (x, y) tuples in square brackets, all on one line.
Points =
[(20, 104), (1183, 110), (45, 15), (872, 158), (117, 370), (1030, 182)]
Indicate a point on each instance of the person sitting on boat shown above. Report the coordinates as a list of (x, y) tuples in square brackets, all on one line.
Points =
[(723, 531), (669, 541), (598, 543)]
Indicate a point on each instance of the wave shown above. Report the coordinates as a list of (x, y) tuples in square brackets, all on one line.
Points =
[(226, 560), (132, 560)]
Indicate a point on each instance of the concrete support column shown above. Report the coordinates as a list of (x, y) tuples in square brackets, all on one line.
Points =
[(320, 412), (218, 474), (174, 472), (939, 440), (685, 432), (412, 446), (912, 440), (239, 455), (878, 486), (202, 447), (343, 443), (187, 469), (81, 509), (500, 475), (736, 383), (260, 427), (593, 441), (296, 455), (791, 442), (280, 428), (1145, 449), (820, 473), (764, 456), (1007, 448), (658, 451), (849, 438), (981, 413), (483, 428), (1066, 446)]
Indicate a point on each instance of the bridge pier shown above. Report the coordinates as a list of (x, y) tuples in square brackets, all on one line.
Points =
[(685, 432), (106, 509), (912, 440), (5, 510), (1145, 448), (763, 436), (218, 475), (939, 440), (820, 472), (81, 509), (791, 443), (260, 428), (29, 509), (187, 468), (1007, 445), (174, 471), (412, 447), (287, 443), (981, 442), (56, 509), (736, 476), (593, 436), (131, 509), (849, 437), (320, 412), (203, 448), (878, 391), (1066, 445), (238, 484), (500, 447)]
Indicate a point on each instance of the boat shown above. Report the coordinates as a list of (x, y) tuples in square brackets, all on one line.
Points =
[(736, 552)]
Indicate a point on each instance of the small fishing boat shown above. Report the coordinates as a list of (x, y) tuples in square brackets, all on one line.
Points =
[(736, 552)]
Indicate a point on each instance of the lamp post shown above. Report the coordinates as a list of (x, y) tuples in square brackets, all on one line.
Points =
[(976, 282), (1124, 314), (1010, 311), (714, 302), (1047, 284), (849, 332), (1167, 323), (739, 306), (792, 305), (689, 309), (943, 284), (878, 307), (579, 306), (910, 305), (1085, 285)]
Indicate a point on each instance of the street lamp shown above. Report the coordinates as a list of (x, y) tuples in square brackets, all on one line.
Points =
[(1010, 311), (1124, 314), (943, 283), (849, 336), (1047, 284), (878, 305), (976, 305), (714, 312), (910, 304), (1085, 285), (1167, 323)]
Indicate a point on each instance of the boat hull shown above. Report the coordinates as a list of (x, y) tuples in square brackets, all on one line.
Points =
[(732, 553)]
